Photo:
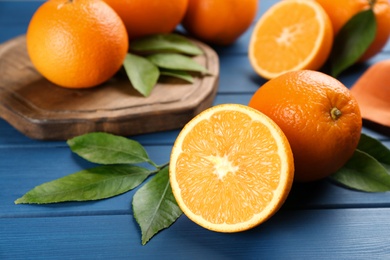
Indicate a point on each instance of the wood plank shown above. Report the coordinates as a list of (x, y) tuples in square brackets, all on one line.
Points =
[(43, 164), (9, 136), (242, 79), (17, 12), (290, 234)]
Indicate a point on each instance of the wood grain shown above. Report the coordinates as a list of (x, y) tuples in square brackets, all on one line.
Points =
[(42, 110), (295, 234)]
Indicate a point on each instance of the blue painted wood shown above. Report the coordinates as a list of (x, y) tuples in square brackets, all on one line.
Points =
[(43, 164), (290, 234), (15, 16), (319, 220)]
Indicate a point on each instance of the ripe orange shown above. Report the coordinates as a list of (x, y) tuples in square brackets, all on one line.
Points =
[(340, 11), (291, 35), (231, 168), (143, 17), (319, 116), (219, 22), (76, 44)]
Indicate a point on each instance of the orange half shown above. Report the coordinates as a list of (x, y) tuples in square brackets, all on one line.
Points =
[(291, 35), (231, 168)]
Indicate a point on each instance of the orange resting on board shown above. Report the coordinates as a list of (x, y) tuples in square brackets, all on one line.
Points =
[(76, 44)]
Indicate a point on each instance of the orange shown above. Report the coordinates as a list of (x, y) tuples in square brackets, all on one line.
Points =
[(340, 11), (76, 44), (231, 168), (219, 22), (143, 17), (319, 116), (291, 35)]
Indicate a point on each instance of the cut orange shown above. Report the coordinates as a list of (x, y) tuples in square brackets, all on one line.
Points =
[(231, 168), (291, 35)]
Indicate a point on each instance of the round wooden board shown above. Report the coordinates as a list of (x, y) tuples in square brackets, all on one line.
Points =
[(41, 110)]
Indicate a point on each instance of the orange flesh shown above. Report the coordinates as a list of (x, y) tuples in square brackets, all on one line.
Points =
[(301, 35), (230, 169), (291, 35)]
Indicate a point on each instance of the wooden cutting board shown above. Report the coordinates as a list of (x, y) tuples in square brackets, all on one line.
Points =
[(41, 110)]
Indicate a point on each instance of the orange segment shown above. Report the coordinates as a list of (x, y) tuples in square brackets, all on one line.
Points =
[(231, 168), (291, 35)]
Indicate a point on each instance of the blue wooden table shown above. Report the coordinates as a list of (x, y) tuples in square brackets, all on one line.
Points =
[(319, 220)]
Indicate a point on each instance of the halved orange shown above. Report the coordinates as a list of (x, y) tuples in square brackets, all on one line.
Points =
[(291, 35), (231, 168)]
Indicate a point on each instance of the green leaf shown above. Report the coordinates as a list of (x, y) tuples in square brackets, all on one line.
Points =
[(165, 43), (376, 149), (154, 206), (142, 73), (92, 184), (352, 41), (363, 172), (104, 148), (177, 74), (176, 61)]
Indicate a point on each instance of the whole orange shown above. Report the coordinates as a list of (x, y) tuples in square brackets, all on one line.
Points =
[(219, 22), (340, 11), (76, 43), (318, 115), (143, 17)]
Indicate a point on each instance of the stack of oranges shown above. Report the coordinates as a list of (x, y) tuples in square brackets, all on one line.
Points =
[(83, 43)]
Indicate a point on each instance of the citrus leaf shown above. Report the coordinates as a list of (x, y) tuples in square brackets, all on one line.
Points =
[(104, 148), (176, 61), (363, 172), (376, 149), (91, 184), (352, 41), (154, 206), (165, 43), (142, 73), (177, 74)]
